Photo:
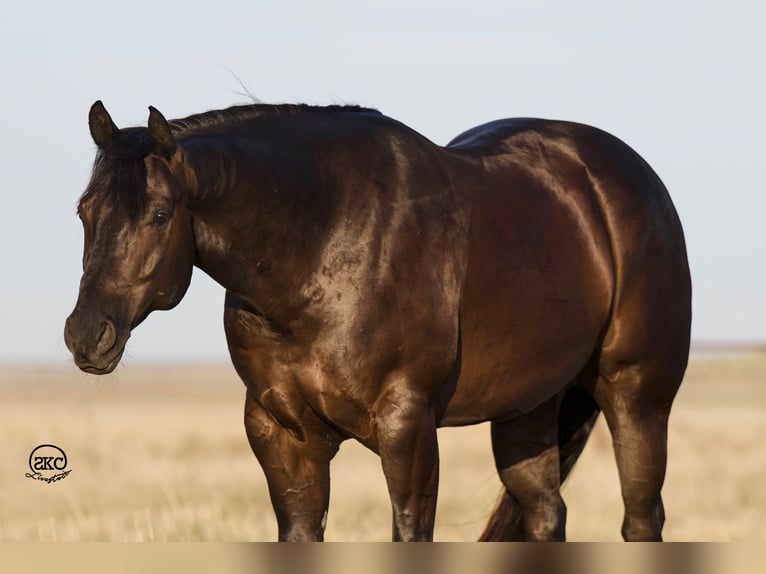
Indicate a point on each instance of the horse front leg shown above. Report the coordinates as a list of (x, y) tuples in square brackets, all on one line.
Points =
[(297, 470), (407, 444)]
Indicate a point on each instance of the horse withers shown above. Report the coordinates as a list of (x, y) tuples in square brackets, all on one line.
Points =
[(531, 273)]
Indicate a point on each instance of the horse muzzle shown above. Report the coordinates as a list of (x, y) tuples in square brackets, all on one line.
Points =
[(96, 346)]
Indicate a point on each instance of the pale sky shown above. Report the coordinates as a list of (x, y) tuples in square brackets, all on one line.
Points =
[(681, 82)]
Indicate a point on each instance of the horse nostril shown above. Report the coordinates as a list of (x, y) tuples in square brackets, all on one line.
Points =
[(107, 337)]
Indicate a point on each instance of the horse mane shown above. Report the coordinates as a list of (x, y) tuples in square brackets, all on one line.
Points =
[(122, 173), (249, 112)]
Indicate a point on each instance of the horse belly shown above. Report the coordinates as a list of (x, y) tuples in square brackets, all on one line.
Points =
[(509, 368)]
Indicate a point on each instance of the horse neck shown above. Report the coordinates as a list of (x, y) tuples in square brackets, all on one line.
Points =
[(257, 220)]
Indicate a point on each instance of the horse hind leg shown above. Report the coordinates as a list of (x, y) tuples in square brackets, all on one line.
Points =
[(527, 458), (641, 365), (637, 416), (576, 417)]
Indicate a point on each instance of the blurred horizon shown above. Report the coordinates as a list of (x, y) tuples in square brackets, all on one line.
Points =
[(699, 350)]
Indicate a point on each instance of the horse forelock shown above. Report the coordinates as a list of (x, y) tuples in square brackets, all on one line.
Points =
[(119, 172)]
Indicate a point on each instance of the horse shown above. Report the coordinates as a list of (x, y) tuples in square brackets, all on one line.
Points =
[(531, 273)]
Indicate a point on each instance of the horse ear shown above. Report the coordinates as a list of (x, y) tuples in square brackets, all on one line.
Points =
[(102, 128), (164, 142)]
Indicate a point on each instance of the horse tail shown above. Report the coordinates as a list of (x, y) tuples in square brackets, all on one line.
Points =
[(577, 416)]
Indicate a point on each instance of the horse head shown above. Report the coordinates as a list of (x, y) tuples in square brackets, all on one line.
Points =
[(139, 247)]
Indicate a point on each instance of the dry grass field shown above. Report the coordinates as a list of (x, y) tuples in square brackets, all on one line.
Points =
[(160, 454)]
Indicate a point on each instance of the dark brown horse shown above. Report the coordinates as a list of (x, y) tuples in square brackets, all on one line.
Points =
[(378, 286)]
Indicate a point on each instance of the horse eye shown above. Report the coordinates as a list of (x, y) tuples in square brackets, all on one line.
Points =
[(161, 218)]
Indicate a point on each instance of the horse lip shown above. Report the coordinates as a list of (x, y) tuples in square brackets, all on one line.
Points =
[(92, 368)]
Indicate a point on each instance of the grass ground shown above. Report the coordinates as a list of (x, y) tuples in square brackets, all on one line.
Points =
[(160, 454)]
